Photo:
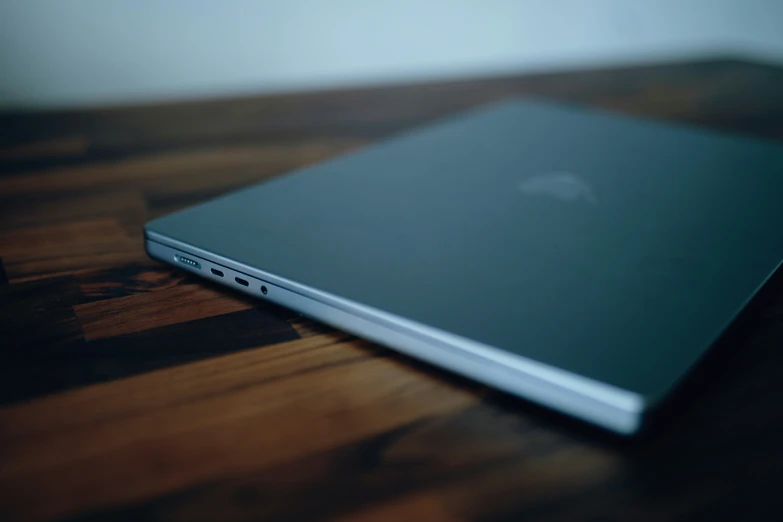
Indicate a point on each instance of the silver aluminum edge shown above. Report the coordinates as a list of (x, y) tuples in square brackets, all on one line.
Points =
[(611, 407)]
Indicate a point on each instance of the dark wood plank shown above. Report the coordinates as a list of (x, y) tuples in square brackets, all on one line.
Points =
[(132, 391), (144, 311), (42, 209), (127, 280), (405, 461), (221, 417), (63, 247), (57, 337), (38, 314), (3, 275)]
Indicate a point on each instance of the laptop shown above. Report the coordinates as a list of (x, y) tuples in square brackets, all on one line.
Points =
[(579, 259)]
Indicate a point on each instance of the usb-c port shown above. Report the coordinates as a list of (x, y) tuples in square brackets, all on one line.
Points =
[(241, 281), (216, 272)]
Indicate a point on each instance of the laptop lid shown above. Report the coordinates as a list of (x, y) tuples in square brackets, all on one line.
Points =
[(613, 248)]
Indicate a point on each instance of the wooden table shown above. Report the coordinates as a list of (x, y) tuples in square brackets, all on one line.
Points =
[(131, 391)]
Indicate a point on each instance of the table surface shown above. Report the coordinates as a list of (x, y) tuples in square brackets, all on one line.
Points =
[(131, 391)]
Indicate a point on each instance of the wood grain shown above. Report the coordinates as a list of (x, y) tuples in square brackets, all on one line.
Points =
[(245, 422), (165, 307), (59, 147), (131, 391)]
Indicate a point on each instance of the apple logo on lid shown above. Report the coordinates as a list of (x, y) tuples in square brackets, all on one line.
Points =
[(560, 185)]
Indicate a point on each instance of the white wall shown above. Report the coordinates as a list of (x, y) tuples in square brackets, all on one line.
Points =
[(56, 53)]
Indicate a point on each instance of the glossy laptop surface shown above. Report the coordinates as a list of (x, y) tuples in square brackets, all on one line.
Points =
[(579, 259)]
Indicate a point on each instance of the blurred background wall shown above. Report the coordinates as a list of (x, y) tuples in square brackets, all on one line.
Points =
[(60, 53)]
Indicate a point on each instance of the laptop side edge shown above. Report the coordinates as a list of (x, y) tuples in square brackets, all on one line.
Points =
[(613, 408)]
